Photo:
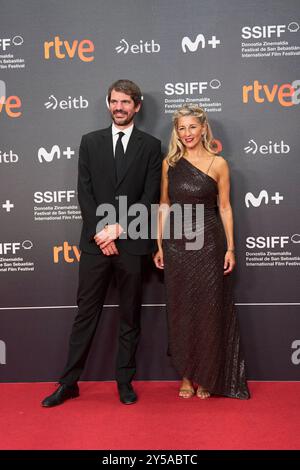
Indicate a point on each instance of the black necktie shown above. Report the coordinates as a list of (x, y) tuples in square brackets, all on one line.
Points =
[(119, 155)]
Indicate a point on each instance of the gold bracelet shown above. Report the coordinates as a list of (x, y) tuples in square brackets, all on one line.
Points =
[(230, 250)]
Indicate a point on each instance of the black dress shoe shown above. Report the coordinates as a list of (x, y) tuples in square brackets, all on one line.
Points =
[(127, 394), (63, 393)]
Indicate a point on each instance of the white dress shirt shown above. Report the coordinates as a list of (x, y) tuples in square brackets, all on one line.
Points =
[(125, 138)]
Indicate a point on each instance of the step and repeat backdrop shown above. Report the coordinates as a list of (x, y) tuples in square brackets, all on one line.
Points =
[(237, 59)]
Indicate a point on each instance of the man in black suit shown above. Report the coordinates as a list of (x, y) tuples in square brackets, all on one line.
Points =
[(113, 163)]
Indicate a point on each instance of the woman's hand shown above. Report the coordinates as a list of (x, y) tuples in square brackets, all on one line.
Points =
[(229, 262), (158, 259)]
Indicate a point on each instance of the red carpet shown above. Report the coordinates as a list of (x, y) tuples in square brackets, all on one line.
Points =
[(160, 420)]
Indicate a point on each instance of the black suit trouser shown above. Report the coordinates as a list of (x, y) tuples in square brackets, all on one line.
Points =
[(95, 273)]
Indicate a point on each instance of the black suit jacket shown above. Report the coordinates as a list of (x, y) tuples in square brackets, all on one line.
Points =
[(140, 182)]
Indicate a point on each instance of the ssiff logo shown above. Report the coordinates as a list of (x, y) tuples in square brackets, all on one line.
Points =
[(63, 195), (268, 31), (13, 247), (2, 352), (271, 241), (10, 104), (7, 42), (65, 49), (191, 88), (287, 94)]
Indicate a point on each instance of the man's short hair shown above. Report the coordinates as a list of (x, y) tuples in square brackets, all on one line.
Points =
[(129, 88)]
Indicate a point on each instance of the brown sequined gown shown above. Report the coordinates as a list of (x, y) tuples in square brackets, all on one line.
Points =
[(204, 340)]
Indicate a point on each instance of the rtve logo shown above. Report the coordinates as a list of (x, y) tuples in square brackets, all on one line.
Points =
[(10, 103), (2, 352), (66, 253), (295, 357), (287, 94), (64, 49)]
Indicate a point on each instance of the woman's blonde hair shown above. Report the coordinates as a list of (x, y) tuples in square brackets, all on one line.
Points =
[(176, 148)]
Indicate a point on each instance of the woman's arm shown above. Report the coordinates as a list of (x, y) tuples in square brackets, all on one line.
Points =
[(226, 213), (163, 211)]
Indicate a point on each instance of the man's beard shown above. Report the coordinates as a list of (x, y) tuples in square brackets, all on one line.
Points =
[(123, 121)]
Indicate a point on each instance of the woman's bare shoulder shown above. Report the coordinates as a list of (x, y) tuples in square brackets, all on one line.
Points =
[(220, 166), (220, 162)]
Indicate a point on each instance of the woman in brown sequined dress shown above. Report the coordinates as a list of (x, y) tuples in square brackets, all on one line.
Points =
[(204, 340)]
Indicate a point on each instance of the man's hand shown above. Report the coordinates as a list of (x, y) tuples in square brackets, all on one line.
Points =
[(110, 249), (108, 235)]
